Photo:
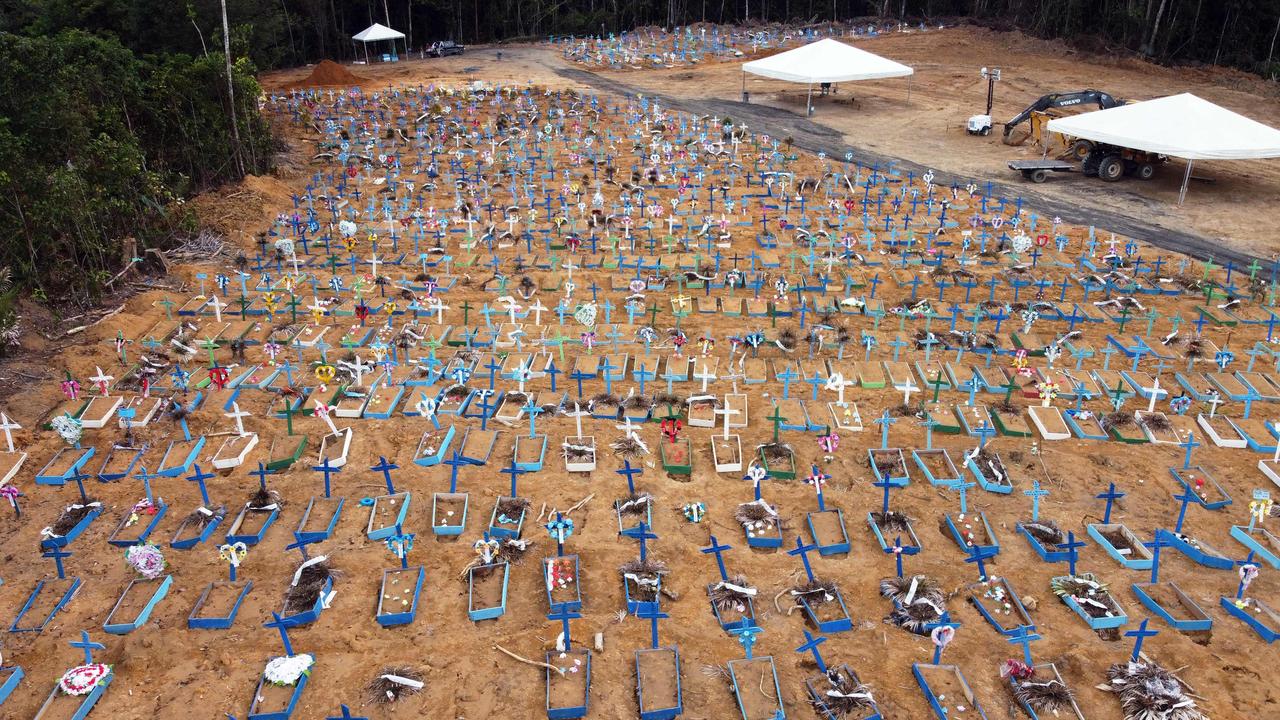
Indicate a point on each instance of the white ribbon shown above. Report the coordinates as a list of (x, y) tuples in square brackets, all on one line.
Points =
[(297, 575), (749, 591), (416, 684)]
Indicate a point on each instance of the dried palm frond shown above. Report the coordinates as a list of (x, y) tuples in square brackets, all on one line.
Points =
[(303, 596), (666, 398), (1116, 419), (635, 504), (726, 595), (892, 521), (749, 514), (512, 507), (605, 399), (776, 452), (637, 402), (902, 410), (917, 616), (382, 690), (1149, 692), (72, 516), (1046, 531), (815, 591), (844, 696), (201, 520), (1155, 422), (898, 588), (263, 498), (1049, 696), (512, 551), (626, 447)]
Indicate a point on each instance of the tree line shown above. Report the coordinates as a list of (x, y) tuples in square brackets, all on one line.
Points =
[(281, 33)]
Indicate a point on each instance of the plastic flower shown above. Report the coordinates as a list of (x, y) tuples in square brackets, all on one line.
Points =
[(287, 669), (146, 559), (81, 680)]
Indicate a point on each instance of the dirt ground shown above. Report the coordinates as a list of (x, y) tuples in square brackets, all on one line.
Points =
[(164, 665)]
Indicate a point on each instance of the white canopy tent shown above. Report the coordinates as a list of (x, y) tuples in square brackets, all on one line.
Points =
[(825, 61), (1182, 126), (378, 32)]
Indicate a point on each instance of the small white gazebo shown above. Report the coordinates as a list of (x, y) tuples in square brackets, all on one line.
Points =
[(378, 32), (1182, 126), (822, 62)]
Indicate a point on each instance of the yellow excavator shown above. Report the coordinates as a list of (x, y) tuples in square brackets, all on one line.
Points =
[(1038, 116)]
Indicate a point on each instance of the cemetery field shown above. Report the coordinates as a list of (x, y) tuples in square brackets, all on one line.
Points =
[(686, 319)]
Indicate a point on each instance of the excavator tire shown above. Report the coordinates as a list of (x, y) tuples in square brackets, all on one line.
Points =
[(1080, 149), (1090, 165), (1111, 168), (1145, 171)]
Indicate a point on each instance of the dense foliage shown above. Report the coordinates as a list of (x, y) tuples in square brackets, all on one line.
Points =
[(274, 33), (96, 144)]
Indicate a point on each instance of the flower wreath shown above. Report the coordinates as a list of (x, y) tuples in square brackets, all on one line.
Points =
[(81, 680), (287, 669)]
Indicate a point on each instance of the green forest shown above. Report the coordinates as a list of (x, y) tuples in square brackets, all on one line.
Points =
[(113, 110)]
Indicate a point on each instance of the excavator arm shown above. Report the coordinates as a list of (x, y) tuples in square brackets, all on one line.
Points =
[(1103, 100)]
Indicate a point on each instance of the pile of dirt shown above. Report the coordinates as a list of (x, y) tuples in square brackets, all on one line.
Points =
[(327, 74)]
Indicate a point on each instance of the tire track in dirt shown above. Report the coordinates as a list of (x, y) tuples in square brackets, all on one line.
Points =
[(815, 137)]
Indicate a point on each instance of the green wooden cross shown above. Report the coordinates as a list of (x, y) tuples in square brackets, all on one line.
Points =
[(466, 311), (1253, 268), (1009, 388), (244, 307), (168, 307), (777, 420), (293, 306), (653, 313), (1209, 267), (1124, 318), (937, 384), (211, 345)]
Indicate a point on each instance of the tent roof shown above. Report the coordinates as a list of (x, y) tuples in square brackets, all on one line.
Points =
[(826, 61), (376, 32), (1182, 126)]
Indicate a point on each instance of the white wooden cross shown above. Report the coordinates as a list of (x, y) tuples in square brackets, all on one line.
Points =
[(373, 261), (577, 414), (907, 389), (8, 426), (726, 411), (1214, 401), (705, 376), (438, 308), (103, 381), (836, 381), (537, 308), (1153, 390), (217, 304), (316, 307), (322, 411), (238, 416), (359, 368)]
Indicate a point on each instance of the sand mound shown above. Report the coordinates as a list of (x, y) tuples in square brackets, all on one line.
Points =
[(328, 73)]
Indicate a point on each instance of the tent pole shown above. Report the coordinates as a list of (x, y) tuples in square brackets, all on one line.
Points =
[(909, 88), (366, 52), (744, 86), (808, 103), (1186, 179)]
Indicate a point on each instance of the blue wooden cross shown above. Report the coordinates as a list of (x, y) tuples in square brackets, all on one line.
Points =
[(300, 544), (944, 621), (199, 476), (897, 551), (1186, 497), (57, 553), (1247, 561), (929, 424), (963, 488), (514, 472), (979, 555), (1071, 546), (818, 479), (454, 462), (718, 549), (810, 645), (887, 485), (385, 468), (492, 366), (642, 533), (533, 410), (628, 472), (579, 376), (328, 469), (485, 406), (79, 478), (1024, 635), (261, 474), (1142, 633), (346, 715), (747, 637), (605, 367), (803, 551), (553, 371), (87, 645), (787, 378), (1157, 541), (1110, 496), (564, 615), (1035, 493), (652, 613), (283, 627), (146, 478), (884, 421), (985, 432), (1190, 444)]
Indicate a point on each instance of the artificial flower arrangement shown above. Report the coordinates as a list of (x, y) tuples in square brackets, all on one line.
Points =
[(143, 507), (288, 669), (82, 679), (146, 559)]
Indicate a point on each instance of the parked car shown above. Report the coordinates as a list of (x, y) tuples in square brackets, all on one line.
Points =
[(444, 48)]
